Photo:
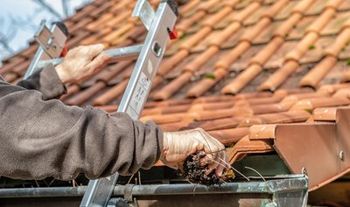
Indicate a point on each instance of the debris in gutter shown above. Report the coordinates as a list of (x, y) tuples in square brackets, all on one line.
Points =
[(195, 173)]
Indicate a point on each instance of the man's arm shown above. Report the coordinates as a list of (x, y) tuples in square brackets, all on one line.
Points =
[(46, 81), (49, 139), (79, 64), (41, 138)]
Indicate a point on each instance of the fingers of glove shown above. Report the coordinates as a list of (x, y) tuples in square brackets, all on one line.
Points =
[(212, 158), (196, 147), (79, 57), (211, 140), (73, 53), (199, 147), (211, 167), (96, 64), (95, 50), (215, 144), (175, 158), (210, 145), (222, 159), (220, 169), (206, 160), (89, 52)]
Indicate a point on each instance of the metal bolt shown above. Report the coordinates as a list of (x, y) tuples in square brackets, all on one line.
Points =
[(341, 155), (304, 171), (157, 49)]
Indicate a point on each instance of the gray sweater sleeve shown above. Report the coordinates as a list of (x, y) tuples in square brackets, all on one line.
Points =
[(46, 138), (46, 81)]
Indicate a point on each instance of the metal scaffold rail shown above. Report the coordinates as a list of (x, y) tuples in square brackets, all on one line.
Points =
[(281, 191)]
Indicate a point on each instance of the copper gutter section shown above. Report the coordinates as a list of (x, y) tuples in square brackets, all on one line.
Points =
[(320, 150)]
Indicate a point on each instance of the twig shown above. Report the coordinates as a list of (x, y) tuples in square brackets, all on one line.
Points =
[(214, 152), (139, 175), (130, 179), (52, 181), (74, 183), (65, 7), (252, 169), (4, 43), (37, 184), (49, 8), (234, 169)]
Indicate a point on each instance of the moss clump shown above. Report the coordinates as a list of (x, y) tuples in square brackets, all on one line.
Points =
[(312, 47), (210, 76), (348, 62)]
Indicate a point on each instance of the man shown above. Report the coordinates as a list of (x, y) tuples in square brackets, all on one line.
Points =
[(41, 137)]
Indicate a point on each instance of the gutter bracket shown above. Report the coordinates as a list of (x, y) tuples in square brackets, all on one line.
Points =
[(128, 192)]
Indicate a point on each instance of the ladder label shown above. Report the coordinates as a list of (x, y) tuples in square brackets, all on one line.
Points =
[(140, 94)]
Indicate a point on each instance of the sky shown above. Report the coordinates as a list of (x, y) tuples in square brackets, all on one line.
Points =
[(19, 20)]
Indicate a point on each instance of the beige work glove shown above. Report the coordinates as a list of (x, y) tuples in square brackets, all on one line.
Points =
[(81, 63), (179, 145)]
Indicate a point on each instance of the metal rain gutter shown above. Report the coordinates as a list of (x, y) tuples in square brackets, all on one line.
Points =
[(284, 190)]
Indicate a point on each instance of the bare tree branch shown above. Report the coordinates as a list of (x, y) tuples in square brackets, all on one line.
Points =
[(65, 6), (49, 8), (14, 25), (5, 38), (4, 43)]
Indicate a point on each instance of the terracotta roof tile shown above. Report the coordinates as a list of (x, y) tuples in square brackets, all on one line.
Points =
[(317, 73), (71, 90), (325, 114), (80, 24), (246, 146), (310, 104), (224, 35), (250, 73), (210, 22), (332, 52), (343, 93), (230, 136), (172, 87), (263, 131), (340, 42), (187, 23), (11, 64), (200, 60), (205, 84), (243, 78), (111, 94), (316, 51), (189, 6), (10, 77), (254, 17), (336, 25), (286, 27), (233, 55), (85, 95), (226, 47), (275, 9)]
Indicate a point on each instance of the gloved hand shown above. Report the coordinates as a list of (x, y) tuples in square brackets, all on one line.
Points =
[(81, 62), (179, 145)]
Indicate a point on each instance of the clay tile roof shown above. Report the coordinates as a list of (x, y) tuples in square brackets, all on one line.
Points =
[(253, 73)]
